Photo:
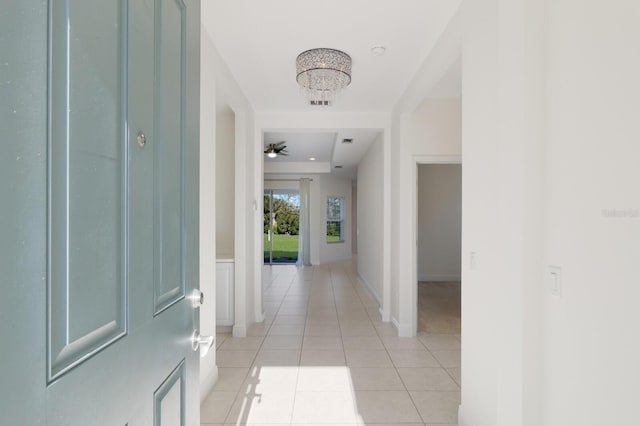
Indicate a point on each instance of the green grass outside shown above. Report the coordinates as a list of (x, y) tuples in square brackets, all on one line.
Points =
[(284, 246), (333, 238)]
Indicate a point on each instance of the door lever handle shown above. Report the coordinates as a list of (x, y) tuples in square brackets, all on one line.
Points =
[(201, 342)]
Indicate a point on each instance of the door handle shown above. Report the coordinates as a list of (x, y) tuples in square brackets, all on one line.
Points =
[(197, 298), (201, 342)]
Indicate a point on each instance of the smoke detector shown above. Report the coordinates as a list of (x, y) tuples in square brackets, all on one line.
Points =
[(378, 50)]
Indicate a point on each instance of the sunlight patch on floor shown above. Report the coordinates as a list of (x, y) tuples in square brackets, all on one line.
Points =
[(320, 394)]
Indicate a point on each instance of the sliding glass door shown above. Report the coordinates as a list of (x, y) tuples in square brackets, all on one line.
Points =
[(281, 226)]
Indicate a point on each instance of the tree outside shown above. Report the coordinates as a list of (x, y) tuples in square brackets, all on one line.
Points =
[(286, 213)]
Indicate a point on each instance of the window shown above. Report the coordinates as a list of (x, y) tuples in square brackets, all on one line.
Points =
[(335, 219)]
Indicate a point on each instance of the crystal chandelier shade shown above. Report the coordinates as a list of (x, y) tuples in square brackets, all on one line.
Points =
[(322, 73)]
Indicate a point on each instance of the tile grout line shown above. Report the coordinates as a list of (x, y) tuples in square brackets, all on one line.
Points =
[(333, 273), (251, 366), (424, 345), (344, 351), (395, 367), (353, 285), (306, 317), (335, 308)]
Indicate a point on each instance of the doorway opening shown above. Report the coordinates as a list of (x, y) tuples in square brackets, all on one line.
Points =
[(438, 231), (281, 226), (438, 258), (421, 269)]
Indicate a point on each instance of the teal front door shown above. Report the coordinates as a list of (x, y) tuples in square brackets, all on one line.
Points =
[(99, 218)]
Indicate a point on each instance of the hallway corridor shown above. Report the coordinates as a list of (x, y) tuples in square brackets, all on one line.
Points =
[(323, 356)]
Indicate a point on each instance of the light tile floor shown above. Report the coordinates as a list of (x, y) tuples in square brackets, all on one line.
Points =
[(439, 307), (323, 356)]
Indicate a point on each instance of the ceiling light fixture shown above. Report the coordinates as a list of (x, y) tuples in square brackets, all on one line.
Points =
[(312, 158), (322, 73), (273, 149)]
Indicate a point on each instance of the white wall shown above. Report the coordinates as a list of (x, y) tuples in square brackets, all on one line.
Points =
[(550, 100), (370, 217), (504, 127), (592, 213), (245, 203), (433, 132), (504, 105), (439, 222), (207, 266), (435, 128), (354, 218), (331, 186), (225, 181), (413, 112)]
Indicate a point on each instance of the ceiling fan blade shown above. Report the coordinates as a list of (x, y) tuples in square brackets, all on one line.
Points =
[(277, 145), (283, 153), (280, 149)]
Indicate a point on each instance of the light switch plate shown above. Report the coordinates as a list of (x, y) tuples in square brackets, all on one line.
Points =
[(554, 278)]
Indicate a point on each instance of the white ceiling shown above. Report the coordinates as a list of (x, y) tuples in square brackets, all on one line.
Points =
[(259, 42), (325, 147), (302, 146)]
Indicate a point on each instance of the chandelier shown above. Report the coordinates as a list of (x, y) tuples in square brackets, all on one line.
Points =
[(322, 73)]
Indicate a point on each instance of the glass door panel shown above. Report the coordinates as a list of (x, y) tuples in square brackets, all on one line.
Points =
[(281, 226)]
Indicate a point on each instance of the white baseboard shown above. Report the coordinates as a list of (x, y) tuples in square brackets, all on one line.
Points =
[(370, 289), (207, 383), (439, 277), (461, 419), (239, 331), (395, 322), (404, 330), (386, 315)]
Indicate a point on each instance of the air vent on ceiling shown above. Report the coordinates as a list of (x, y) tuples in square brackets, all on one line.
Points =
[(320, 103), (350, 140), (338, 167)]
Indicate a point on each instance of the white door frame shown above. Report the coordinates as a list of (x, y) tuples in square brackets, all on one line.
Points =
[(413, 250)]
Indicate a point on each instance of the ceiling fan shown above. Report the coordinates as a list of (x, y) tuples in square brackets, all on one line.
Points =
[(275, 149)]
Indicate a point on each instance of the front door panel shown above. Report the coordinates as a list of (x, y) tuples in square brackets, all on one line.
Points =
[(168, 399), (87, 281), (122, 239), (170, 96)]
